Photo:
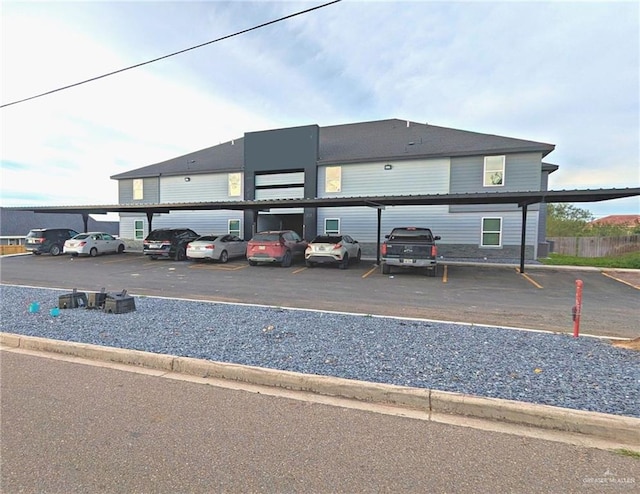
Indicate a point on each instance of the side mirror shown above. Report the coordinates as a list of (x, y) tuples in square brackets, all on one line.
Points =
[(387, 236), (437, 237)]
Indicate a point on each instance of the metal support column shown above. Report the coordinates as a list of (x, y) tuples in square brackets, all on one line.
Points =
[(85, 220), (523, 237), (149, 220), (378, 242)]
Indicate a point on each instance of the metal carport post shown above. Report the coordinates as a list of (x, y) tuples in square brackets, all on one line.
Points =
[(523, 236)]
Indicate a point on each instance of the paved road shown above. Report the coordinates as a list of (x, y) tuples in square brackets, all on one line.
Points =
[(75, 428), (495, 295)]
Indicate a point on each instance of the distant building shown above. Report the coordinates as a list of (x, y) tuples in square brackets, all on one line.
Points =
[(629, 221), (364, 159), (14, 225)]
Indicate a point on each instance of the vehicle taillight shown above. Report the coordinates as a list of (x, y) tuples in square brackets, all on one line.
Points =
[(82, 244), (39, 240), (337, 246), (383, 249), (210, 247), (434, 251)]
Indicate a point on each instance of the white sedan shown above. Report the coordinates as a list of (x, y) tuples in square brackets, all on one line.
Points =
[(92, 244), (216, 247)]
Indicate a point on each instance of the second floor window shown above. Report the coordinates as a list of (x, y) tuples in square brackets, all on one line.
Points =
[(493, 171), (138, 189)]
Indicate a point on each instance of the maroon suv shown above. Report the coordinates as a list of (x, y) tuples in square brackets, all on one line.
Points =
[(280, 246)]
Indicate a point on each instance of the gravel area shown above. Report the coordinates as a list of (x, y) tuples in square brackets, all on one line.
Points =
[(553, 369)]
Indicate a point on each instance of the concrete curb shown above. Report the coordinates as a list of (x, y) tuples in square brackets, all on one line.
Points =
[(619, 429)]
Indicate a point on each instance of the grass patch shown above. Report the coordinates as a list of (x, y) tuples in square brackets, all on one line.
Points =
[(628, 261), (628, 452)]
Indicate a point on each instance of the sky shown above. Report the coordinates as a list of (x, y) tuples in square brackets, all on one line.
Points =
[(565, 73)]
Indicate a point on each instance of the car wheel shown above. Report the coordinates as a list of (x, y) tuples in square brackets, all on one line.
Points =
[(93, 252), (345, 262), (224, 257), (181, 254), (154, 257), (386, 269), (36, 253), (359, 256), (253, 263), (431, 272), (286, 260), (120, 249), (54, 250), (75, 254)]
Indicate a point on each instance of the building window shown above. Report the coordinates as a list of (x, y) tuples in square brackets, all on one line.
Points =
[(235, 184), (491, 232), (332, 226), (333, 179), (138, 230), (234, 228), (493, 171), (138, 189)]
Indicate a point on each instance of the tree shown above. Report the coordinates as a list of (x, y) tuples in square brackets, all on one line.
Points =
[(567, 220)]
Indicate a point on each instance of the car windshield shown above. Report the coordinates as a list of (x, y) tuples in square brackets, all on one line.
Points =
[(327, 239), (80, 236), (35, 234), (266, 237), (160, 235), (207, 238)]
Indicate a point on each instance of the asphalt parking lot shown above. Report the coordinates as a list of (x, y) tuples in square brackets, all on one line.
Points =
[(542, 298)]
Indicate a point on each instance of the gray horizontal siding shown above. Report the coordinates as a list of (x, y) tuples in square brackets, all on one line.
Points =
[(209, 187), (361, 223), (280, 179), (202, 222), (405, 177), (523, 173), (150, 191), (280, 193)]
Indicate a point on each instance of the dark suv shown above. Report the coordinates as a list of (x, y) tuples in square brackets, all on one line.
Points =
[(48, 240), (168, 242)]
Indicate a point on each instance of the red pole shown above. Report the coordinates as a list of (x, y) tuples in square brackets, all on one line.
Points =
[(577, 309)]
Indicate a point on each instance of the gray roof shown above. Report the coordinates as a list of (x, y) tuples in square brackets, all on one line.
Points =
[(400, 139), (391, 139), (228, 156)]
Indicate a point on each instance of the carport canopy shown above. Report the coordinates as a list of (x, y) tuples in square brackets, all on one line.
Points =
[(522, 199)]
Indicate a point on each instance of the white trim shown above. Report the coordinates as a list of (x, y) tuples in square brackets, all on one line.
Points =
[(499, 232), (229, 231), (332, 231), (499, 173), (138, 229)]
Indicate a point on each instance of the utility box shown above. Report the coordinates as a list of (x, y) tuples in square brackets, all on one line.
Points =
[(72, 300), (119, 303), (96, 300)]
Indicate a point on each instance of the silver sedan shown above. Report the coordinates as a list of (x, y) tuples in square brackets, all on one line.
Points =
[(92, 244), (217, 247)]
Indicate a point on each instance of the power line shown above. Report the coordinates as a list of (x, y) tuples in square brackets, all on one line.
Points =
[(171, 54)]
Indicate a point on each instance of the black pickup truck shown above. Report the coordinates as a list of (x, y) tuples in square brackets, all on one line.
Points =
[(410, 247)]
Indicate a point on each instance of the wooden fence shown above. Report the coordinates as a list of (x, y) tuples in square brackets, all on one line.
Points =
[(595, 246)]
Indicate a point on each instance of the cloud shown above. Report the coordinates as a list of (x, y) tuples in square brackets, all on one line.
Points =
[(558, 72)]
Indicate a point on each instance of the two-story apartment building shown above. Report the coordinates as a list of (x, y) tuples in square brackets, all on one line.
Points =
[(387, 157)]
